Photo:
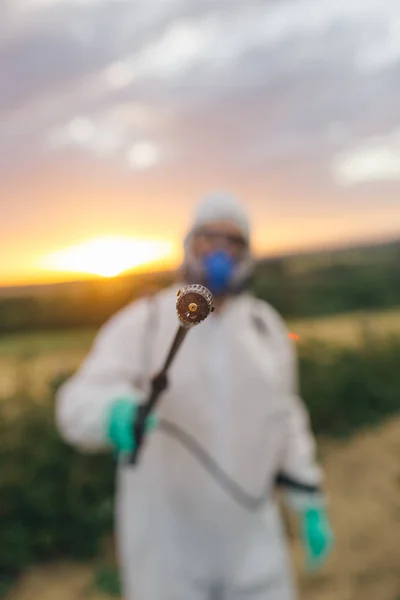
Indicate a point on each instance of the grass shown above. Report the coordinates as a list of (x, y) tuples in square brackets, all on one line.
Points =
[(342, 329), (31, 360), (22, 344), (348, 329)]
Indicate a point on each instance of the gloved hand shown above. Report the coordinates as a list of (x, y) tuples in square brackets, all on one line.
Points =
[(317, 537), (120, 424)]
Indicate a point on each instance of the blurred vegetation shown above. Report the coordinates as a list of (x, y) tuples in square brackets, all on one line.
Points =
[(332, 282), (54, 502), (73, 304), (57, 503)]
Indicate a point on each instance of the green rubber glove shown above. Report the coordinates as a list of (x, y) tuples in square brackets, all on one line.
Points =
[(317, 537), (120, 424)]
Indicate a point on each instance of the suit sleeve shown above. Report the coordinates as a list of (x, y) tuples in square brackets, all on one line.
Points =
[(300, 474), (83, 402)]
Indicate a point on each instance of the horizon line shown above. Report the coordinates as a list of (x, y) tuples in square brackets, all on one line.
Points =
[(145, 272)]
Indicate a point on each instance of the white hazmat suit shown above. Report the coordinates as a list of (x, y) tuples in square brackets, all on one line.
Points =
[(202, 526), (233, 389)]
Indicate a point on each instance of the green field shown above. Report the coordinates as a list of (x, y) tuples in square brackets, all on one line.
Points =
[(29, 361), (21, 345), (339, 329), (349, 329)]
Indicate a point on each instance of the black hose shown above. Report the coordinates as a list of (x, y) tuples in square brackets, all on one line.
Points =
[(233, 489)]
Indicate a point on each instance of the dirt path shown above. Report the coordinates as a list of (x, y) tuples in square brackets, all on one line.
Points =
[(363, 477), (364, 483)]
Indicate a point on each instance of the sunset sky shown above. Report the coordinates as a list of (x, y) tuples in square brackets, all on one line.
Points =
[(116, 116)]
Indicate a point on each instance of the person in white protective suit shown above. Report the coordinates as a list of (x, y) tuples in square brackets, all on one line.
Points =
[(197, 518)]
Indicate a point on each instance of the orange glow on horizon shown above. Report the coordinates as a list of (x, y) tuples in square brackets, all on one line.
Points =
[(43, 254), (107, 256)]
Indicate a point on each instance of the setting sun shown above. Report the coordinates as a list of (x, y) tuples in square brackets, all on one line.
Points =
[(107, 256)]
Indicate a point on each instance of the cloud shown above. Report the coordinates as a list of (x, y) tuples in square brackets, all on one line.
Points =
[(173, 82), (376, 159), (143, 155)]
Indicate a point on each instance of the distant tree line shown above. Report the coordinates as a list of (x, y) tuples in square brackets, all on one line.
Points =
[(83, 304), (328, 290), (297, 286)]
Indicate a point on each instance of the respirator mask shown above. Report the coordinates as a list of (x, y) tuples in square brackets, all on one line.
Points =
[(219, 271)]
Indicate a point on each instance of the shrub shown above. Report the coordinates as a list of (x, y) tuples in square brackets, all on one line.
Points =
[(54, 501), (349, 388)]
